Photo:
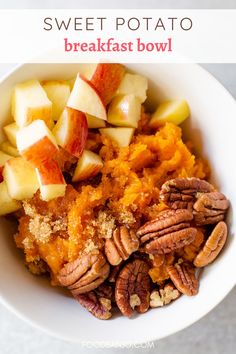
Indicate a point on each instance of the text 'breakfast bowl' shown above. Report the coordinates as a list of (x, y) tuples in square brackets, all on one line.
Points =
[(112, 202)]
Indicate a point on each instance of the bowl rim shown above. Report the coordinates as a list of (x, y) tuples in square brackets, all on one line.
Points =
[(189, 322)]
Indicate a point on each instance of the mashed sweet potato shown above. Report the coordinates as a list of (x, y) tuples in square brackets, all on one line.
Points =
[(126, 192)]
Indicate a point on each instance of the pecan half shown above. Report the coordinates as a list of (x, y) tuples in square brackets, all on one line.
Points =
[(123, 242), (164, 295), (181, 193), (183, 277), (172, 241), (210, 208), (166, 222), (98, 302), (85, 273), (132, 289), (213, 245)]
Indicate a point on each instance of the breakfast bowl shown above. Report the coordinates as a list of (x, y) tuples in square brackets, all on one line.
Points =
[(211, 129)]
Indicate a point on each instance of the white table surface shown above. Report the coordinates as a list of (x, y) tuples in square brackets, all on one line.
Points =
[(216, 332)]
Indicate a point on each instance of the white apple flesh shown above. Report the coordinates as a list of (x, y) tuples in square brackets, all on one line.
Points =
[(20, 177), (89, 165), (175, 111), (121, 136), (124, 111), (85, 98), (11, 130), (58, 93), (29, 103), (134, 84), (7, 204)]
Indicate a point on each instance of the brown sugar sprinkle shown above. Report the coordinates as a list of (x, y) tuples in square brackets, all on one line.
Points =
[(104, 224)]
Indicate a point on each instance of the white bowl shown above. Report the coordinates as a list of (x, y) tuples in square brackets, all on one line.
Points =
[(212, 128)]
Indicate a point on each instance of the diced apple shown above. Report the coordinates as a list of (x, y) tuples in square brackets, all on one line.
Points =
[(51, 180), (85, 98), (71, 131), (21, 178), (89, 165), (10, 130), (175, 111), (3, 159), (121, 136), (6, 147), (36, 143), (94, 122), (58, 93), (134, 84), (7, 204), (124, 111), (29, 103), (106, 78)]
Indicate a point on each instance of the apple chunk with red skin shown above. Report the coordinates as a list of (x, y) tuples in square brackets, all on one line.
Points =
[(71, 131), (36, 143), (85, 98), (51, 181), (106, 78)]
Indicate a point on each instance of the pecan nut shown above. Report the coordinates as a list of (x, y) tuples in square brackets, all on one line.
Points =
[(85, 273), (132, 289), (123, 242), (210, 208), (213, 245), (164, 296), (98, 302), (172, 241), (169, 231), (166, 222), (183, 277), (181, 193)]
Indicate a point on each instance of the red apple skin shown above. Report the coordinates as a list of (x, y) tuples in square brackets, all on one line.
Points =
[(1, 176), (50, 173), (40, 151), (106, 79), (78, 133)]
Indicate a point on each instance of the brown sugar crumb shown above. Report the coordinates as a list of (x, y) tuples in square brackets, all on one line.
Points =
[(105, 224), (40, 228), (28, 243), (90, 246), (126, 217)]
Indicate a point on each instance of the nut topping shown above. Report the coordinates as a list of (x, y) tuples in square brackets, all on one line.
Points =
[(167, 221), (183, 277), (172, 241), (164, 296), (123, 242), (85, 273), (210, 208), (181, 193), (213, 245), (98, 301), (133, 288)]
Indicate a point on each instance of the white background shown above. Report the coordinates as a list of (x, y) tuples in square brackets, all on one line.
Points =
[(216, 333)]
